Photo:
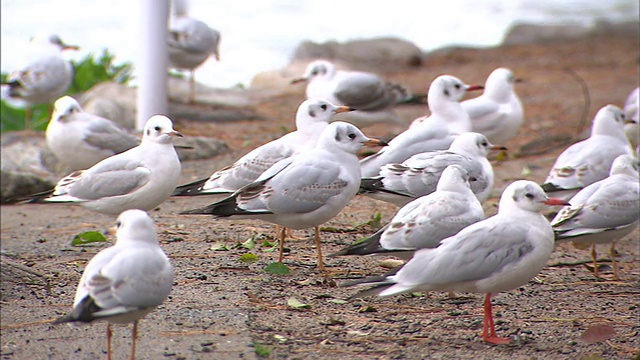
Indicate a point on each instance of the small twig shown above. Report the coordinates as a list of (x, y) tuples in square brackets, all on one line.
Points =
[(581, 262), (587, 100)]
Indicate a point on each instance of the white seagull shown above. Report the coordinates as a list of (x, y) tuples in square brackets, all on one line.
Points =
[(497, 254), (424, 222), (632, 115), (498, 112), (588, 161), (80, 139), (312, 117), (373, 97), (47, 74), (419, 175), (604, 211), (447, 120), (191, 42), (303, 191), (140, 178), (125, 282)]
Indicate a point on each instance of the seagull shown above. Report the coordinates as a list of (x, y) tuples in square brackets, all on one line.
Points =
[(424, 222), (447, 120), (604, 211), (419, 175), (498, 112), (590, 160), (139, 178), (373, 97), (497, 254), (80, 139), (191, 42), (47, 74), (312, 118), (302, 191), (124, 282), (632, 114)]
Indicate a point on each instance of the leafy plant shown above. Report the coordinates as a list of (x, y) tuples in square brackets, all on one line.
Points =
[(277, 268), (89, 71)]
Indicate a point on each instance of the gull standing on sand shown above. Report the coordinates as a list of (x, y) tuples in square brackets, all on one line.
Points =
[(373, 97), (191, 42), (47, 74), (498, 112), (312, 117), (424, 222), (497, 254), (419, 175), (590, 160), (603, 212), (140, 178), (447, 120), (302, 191), (632, 115), (80, 139), (125, 282)]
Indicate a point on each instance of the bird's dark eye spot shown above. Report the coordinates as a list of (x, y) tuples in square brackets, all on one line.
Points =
[(157, 128), (485, 144), (529, 195), (352, 136), (457, 86), (472, 178), (323, 106), (118, 224)]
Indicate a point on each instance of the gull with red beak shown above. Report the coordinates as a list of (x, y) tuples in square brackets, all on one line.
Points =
[(447, 120), (139, 178), (497, 254)]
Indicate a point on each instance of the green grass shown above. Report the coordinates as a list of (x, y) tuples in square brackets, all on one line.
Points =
[(88, 71)]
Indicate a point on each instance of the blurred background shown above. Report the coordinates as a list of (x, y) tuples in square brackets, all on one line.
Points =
[(261, 35)]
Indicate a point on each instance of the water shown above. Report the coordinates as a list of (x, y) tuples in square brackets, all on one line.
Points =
[(261, 35)]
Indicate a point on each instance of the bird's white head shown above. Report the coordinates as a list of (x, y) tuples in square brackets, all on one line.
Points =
[(346, 137), (317, 69), (63, 107), (447, 88), (625, 164), (159, 128), (526, 195), (135, 225), (609, 120), (317, 111), (473, 144), (499, 84), (454, 178)]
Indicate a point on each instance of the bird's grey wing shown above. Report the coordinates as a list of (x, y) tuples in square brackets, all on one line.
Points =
[(301, 187), (473, 254), (104, 134), (113, 176), (364, 92)]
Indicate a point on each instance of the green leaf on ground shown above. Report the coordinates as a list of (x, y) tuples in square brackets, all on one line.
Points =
[(248, 244), (219, 247), (262, 350), (248, 258), (296, 304), (277, 268), (88, 238)]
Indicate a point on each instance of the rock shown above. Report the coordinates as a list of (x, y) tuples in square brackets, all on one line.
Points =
[(113, 101), (531, 34), (28, 166), (376, 55)]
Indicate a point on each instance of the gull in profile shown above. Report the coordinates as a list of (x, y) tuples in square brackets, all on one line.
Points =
[(139, 178), (497, 254), (436, 132), (302, 191)]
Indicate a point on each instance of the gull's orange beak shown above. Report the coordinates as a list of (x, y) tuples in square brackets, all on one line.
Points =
[(298, 80), (497, 147), (556, 202), (175, 133), (375, 142), (342, 109)]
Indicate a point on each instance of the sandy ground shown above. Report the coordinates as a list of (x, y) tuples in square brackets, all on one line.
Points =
[(221, 308)]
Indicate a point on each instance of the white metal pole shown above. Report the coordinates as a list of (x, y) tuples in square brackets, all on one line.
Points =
[(152, 60)]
